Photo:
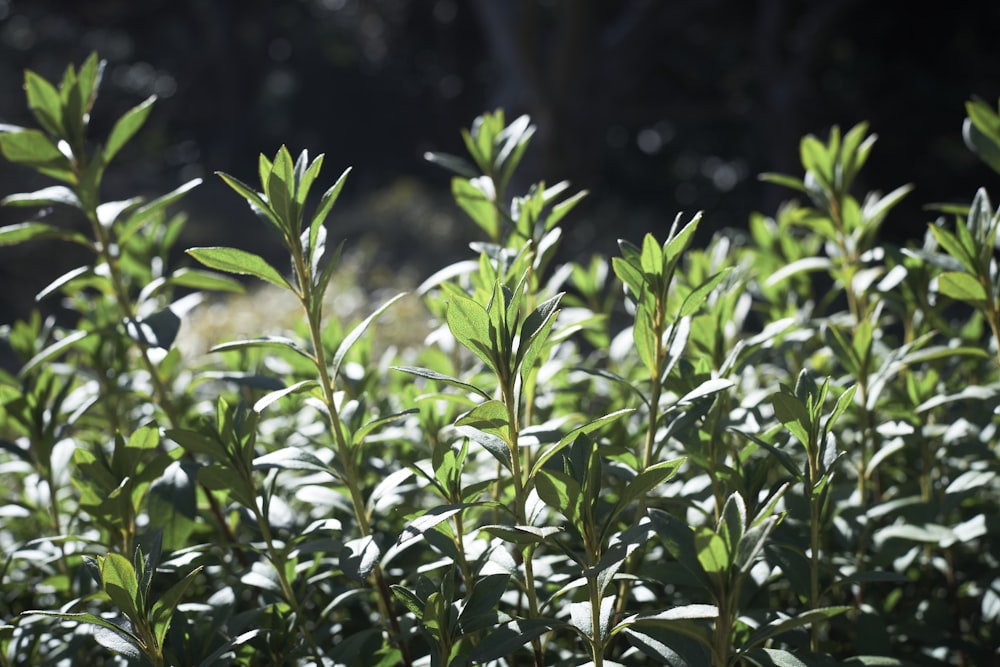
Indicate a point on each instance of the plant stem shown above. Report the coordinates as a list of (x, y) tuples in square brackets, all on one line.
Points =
[(345, 451), (520, 505)]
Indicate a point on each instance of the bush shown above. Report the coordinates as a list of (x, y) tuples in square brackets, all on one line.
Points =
[(776, 450)]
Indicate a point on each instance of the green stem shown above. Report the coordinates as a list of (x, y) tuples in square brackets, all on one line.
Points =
[(280, 563), (346, 453), (520, 505), (814, 558)]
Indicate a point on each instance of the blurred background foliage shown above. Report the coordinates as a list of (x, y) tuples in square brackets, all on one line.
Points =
[(654, 105)]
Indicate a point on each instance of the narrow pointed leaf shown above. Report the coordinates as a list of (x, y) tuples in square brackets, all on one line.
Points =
[(232, 260)]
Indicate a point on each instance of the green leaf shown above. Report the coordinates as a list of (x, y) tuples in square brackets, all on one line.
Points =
[(44, 102), (452, 163), (267, 342), (204, 280), (257, 203), (119, 581), (646, 481), (35, 149), (54, 350), (782, 625), (163, 610), (652, 257), (713, 554), (792, 412), (30, 231), (440, 377), (172, 505), (490, 417), (356, 333), (359, 557), (953, 247), (369, 427), (326, 203), (523, 535), (698, 296), (50, 196), (962, 287), (280, 189), (154, 206), (475, 197), (560, 492), (785, 180), (297, 388), (158, 329), (470, 325), (480, 611), (571, 437), (290, 458), (508, 638), (560, 210), (678, 243), (232, 260), (126, 127), (134, 642), (647, 342)]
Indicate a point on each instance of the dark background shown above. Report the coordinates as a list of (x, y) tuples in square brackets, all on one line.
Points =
[(656, 106)]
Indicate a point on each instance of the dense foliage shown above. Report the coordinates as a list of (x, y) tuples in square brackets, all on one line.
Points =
[(776, 450)]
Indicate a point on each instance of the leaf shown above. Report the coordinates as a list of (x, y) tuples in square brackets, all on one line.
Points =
[(119, 581), (570, 437), (204, 280), (232, 260), (158, 329), (416, 528), (785, 180), (791, 412), (560, 492), (494, 444), (55, 350), (452, 163), (126, 127), (646, 340), (490, 417), (688, 620), (439, 377), (118, 639), (290, 458), (713, 554), (326, 203), (678, 243), (50, 196), (782, 625), (510, 637), (257, 203), (34, 149), (470, 325), (356, 333), (44, 102), (962, 287), (298, 387), (273, 342), (522, 535), (806, 264), (359, 435), (646, 481), (698, 296), (705, 389), (163, 610), (172, 504), (359, 557), (30, 231), (474, 197), (953, 247)]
